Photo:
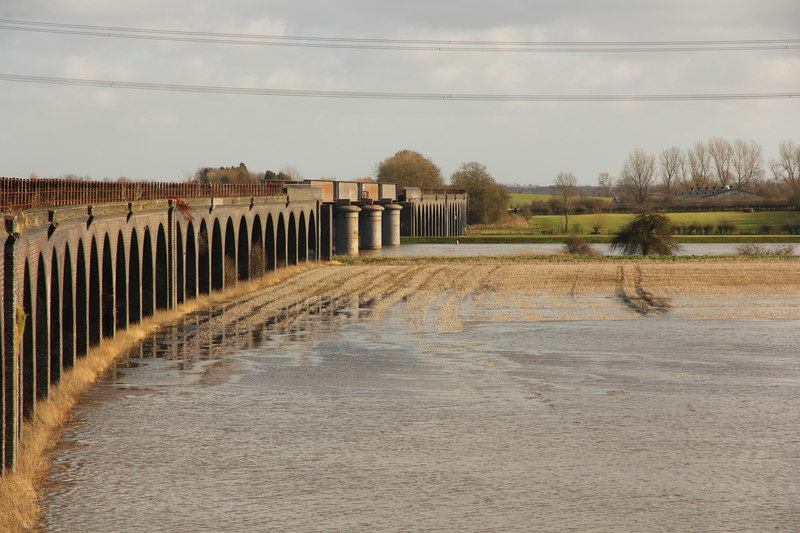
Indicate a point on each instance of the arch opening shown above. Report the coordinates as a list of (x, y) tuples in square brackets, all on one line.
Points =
[(148, 290), (180, 263), (269, 247), (302, 239), (134, 281), (42, 333), (280, 248), (109, 321), (162, 270), (217, 258), (81, 305), (243, 256), (67, 314), (191, 263), (121, 285), (312, 237), (55, 321), (231, 273), (28, 354), (257, 249), (203, 260), (95, 297)]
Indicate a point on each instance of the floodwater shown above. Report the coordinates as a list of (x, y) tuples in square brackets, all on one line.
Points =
[(343, 414), (476, 250)]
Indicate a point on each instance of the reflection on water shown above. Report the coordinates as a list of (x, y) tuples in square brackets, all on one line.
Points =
[(334, 418), (470, 250)]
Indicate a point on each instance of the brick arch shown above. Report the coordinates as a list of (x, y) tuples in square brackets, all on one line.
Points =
[(217, 258), (95, 296), (312, 237), (302, 238), (243, 251), (134, 281), (280, 243), (148, 287), (108, 318), (162, 270), (257, 251), (180, 276), (191, 263), (28, 348), (121, 284), (203, 260), (269, 244), (56, 364), (67, 312), (42, 332), (231, 273), (292, 240), (81, 303)]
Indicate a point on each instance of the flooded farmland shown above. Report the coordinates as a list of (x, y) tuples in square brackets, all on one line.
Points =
[(478, 395)]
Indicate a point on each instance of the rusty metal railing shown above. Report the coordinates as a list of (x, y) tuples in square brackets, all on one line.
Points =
[(30, 193), (443, 191)]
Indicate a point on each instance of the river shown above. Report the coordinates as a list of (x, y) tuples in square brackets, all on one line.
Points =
[(378, 413), (476, 250)]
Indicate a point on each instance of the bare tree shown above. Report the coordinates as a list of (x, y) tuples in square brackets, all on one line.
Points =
[(606, 184), (672, 168), (786, 169), (699, 161), (721, 153), (637, 175), (566, 186), (291, 172), (748, 164)]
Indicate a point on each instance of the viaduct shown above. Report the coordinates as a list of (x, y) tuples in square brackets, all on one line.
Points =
[(82, 260)]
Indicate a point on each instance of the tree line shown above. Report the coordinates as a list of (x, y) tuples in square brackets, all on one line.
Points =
[(488, 200), (716, 163)]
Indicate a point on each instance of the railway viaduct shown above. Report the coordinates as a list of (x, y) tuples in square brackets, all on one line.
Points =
[(82, 260)]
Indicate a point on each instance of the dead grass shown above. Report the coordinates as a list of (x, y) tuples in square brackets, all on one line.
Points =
[(19, 510)]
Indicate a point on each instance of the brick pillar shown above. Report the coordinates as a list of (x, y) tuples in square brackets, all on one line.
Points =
[(11, 422)]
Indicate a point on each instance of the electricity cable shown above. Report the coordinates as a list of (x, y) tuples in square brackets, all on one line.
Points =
[(374, 95), (400, 44)]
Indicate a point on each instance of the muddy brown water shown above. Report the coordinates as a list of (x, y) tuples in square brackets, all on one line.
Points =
[(482, 396)]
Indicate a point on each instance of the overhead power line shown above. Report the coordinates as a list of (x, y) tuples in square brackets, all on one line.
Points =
[(375, 95), (399, 44)]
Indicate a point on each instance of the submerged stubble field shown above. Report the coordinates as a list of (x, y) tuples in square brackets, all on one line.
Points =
[(545, 290), (439, 296)]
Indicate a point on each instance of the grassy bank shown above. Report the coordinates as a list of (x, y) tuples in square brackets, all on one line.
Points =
[(19, 489), (522, 238), (735, 222)]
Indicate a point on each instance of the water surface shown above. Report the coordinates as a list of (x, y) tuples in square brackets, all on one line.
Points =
[(343, 419)]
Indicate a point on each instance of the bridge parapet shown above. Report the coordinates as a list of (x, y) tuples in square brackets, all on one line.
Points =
[(32, 193)]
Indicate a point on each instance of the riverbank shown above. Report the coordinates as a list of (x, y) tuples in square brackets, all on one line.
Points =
[(527, 238), (19, 490), (544, 289)]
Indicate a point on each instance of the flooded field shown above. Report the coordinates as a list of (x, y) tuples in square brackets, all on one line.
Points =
[(465, 396), (475, 250)]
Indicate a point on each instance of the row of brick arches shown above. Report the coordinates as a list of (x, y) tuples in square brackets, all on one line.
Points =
[(84, 278)]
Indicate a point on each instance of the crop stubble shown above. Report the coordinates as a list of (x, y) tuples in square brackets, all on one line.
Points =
[(432, 294)]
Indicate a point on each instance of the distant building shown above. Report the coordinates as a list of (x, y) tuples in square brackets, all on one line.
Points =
[(718, 195)]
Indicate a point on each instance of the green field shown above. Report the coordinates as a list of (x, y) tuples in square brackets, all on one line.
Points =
[(762, 222), (520, 199)]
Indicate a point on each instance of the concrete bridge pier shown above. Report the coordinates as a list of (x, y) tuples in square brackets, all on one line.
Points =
[(369, 226), (391, 224), (346, 228)]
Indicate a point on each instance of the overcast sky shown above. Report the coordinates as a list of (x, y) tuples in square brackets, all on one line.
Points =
[(108, 132)]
